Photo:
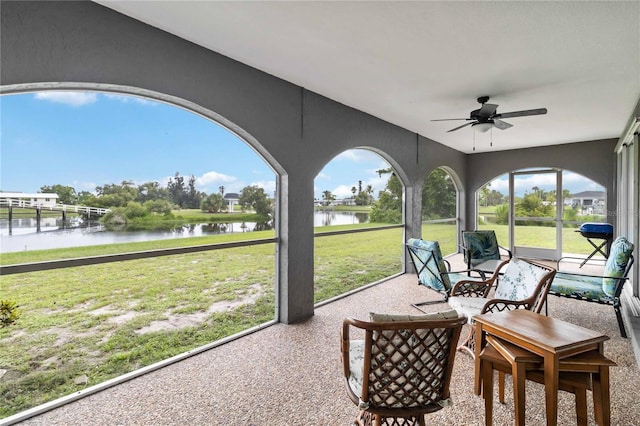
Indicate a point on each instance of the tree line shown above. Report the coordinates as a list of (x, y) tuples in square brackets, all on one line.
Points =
[(439, 198), (153, 198), (361, 196)]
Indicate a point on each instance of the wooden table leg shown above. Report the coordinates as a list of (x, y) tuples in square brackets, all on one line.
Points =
[(601, 396), (477, 388), (487, 391), (551, 368), (519, 378)]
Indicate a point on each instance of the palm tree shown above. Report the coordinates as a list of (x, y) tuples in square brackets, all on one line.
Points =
[(328, 197)]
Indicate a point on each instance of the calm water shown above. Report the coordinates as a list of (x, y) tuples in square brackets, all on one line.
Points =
[(52, 235)]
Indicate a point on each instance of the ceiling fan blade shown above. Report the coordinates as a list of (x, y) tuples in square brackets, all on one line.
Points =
[(502, 125), (460, 127), (538, 111), (487, 110), (451, 119)]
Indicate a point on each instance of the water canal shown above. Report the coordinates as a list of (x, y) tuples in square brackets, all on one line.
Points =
[(53, 235)]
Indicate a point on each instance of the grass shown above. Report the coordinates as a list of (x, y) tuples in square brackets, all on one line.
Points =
[(346, 262), (105, 320), (91, 320), (102, 321), (543, 237)]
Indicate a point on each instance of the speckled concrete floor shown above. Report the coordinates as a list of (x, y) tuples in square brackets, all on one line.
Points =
[(291, 375)]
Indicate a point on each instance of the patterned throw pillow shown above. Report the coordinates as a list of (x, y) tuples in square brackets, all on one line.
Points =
[(621, 250), (519, 281)]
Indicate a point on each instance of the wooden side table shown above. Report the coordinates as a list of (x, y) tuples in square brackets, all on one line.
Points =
[(553, 340)]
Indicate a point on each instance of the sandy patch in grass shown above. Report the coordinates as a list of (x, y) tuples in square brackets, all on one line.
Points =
[(175, 322)]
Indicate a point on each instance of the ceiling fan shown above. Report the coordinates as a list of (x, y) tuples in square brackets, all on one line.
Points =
[(487, 116)]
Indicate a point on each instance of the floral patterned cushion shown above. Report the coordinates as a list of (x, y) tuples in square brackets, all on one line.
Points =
[(519, 281), (468, 306), (356, 362), (621, 250), (581, 286)]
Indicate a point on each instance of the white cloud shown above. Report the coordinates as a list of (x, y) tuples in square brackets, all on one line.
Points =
[(342, 191), (129, 98), (358, 155), (572, 181), (214, 178), (323, 176), (75, 99), (84, 186), (269, 187)]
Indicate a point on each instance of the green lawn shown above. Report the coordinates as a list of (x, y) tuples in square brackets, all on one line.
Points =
[(102, 321), (105, 320)]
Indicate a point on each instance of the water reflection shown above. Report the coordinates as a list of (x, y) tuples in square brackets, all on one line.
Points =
[(77, 233), (332, 218)]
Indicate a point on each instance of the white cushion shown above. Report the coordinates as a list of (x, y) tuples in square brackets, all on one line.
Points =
[(519, 280), (356, 363), (468, 306), (405, 318)]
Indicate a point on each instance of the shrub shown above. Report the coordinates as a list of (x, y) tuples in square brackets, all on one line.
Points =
[(9, 313)]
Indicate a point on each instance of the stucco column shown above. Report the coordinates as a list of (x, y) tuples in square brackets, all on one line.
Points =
[(294, 269), (412, 218)]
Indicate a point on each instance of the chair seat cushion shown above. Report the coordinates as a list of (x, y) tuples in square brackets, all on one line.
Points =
[(468, 306), (581, 286)]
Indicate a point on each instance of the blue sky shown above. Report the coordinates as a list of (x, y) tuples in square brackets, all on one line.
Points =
[(89, 139)]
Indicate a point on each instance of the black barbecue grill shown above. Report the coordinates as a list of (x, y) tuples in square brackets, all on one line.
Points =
[(597, 231)]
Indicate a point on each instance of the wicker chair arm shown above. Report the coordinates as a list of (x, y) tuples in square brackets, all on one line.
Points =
[(471, 288), (344, 347), (499, 305)]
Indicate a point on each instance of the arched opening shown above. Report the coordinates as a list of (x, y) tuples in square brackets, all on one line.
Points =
[(355, 192), (440, 209), (537, 212), (148, 286)]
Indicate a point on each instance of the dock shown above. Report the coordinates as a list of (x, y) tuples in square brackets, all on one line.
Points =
[(39, 207)]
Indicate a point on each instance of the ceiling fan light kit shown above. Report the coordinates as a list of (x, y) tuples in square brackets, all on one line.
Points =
[(487, 117), (482, 127)]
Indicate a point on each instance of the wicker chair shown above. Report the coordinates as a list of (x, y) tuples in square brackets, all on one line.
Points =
[(524, 285), (402, 369)]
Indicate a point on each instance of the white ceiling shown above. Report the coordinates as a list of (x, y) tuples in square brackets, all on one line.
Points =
[(411, 62)]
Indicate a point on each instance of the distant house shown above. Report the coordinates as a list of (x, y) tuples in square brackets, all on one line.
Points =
[(32, 200), (588, 202), (231, 198), (337, 202), (344, 202)]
